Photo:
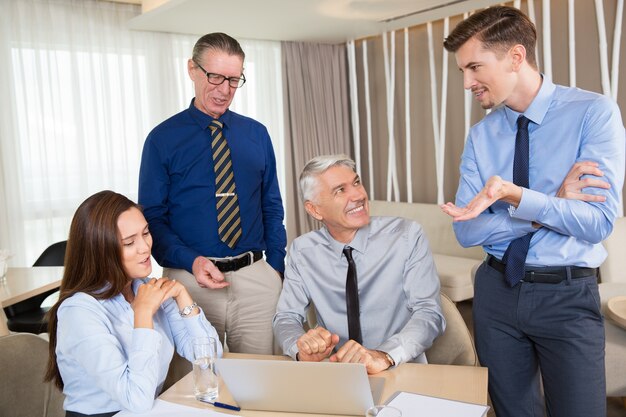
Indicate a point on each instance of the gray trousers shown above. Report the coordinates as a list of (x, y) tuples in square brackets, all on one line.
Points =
[(552, 331)]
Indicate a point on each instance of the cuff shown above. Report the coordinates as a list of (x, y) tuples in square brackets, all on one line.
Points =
[(396, 352), (292, 351), (530, 206), (186, 258), (276, 261)]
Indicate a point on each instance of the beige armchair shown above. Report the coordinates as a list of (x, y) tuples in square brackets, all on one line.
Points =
[(23, 359), (453, 262), (455, 346)]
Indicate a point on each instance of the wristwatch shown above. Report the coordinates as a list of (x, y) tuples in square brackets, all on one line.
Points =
[(392, 363), (187, 310)]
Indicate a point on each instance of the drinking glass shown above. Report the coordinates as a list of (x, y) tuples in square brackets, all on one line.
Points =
[(383, 411), (3, 269), (205, 381)]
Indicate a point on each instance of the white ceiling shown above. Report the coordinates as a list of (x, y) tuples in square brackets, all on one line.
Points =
[(326, 21)]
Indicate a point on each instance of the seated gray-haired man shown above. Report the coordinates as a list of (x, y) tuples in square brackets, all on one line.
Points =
[(372, 280)]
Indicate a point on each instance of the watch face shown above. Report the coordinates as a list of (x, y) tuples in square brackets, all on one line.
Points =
[(187, 310)]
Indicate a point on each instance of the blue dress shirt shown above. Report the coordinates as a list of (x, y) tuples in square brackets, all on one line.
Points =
[(108, 365), (567, 125), (177, 190), (398, 289)]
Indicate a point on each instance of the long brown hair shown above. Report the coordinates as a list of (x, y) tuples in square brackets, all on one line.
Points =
[(93, 260)]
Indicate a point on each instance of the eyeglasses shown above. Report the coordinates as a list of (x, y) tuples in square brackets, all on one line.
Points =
[(218, 79)]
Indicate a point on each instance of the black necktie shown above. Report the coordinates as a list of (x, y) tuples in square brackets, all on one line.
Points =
[(352, 299), (515, 255)]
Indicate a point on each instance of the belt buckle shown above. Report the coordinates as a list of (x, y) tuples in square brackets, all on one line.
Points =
[(251, 256), (531, 277)]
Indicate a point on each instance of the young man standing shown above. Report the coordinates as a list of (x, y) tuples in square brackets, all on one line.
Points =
[(536, 303)]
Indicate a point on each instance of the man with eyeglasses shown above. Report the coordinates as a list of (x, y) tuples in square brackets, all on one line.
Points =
[(210, 193)]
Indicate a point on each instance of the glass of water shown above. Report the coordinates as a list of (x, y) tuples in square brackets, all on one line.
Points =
[(383, 411), (205, 381)]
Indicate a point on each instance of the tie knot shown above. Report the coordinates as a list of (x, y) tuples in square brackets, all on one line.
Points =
[(522, 122), (216, 125), (347, 251)]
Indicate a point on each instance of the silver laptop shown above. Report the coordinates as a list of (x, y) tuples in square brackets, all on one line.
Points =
[(304, 387)]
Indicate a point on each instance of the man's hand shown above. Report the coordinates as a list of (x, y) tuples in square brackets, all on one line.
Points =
[(207, 275), (572, 185), (495, 189), (375, 361), (316, 344)]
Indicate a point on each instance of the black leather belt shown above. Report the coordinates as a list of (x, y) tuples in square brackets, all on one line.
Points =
[(241, 261), (547, 275), (76, 414)]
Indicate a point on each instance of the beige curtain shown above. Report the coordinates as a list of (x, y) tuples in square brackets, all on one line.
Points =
[(316, 116)]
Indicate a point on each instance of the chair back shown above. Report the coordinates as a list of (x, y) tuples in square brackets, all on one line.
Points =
[(23, 360), (29, 315), (455, 346), (54, 255)]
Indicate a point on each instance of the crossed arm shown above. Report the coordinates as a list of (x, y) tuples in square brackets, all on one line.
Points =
[(498, 189)]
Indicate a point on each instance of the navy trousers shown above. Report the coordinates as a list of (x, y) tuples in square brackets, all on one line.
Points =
[(550, 331)]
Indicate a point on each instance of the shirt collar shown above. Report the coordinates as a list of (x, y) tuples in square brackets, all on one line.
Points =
[(538, 107), (203, 119), (359, 243)]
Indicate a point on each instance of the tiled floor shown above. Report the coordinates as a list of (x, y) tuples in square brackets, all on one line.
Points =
[(615, 407)]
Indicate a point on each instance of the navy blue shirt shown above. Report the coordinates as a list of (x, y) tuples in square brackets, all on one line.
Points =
[(177, 189)]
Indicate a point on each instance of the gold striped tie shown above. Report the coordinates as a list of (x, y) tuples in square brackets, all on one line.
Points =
[(228, 219)]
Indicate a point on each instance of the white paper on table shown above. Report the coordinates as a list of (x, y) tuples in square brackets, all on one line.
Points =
[(415, 404), (166, 409)]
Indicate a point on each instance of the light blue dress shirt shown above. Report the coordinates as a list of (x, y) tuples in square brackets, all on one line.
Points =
[(398, 289), (108, 365), (567, 125)]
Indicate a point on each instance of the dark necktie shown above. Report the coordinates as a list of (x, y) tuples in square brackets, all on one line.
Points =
[(227, 204), (352, 299), (515, 255)]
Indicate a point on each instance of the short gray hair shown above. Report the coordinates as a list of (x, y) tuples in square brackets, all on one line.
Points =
[(218, 42), (317, 166)]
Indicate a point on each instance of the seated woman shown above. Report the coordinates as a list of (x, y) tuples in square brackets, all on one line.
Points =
[(113, 331)]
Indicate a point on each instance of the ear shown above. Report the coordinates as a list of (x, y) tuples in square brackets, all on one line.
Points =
[(518, 56), (311, 208), (190, 67)]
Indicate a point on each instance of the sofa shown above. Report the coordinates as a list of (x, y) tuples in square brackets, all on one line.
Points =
[(454, 263), (613, 284), (614, 267)]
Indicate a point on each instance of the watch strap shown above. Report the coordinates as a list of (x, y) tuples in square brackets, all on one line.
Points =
[(188, 310), (392, 363)]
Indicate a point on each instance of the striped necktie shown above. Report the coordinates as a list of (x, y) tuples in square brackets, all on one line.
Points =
[(228, 219)]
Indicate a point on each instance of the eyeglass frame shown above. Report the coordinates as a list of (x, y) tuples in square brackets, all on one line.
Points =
[(207, 73)]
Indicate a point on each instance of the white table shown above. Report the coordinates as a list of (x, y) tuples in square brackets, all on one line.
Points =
[(23, 283), (461, 383)]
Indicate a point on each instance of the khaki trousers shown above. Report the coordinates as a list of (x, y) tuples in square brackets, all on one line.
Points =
[(242, 312)]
